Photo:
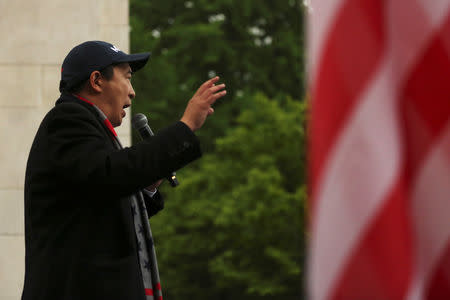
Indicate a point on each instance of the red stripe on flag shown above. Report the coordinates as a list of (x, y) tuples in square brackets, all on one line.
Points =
[(110, 127), (428, 86), (439, 287), (343, 74), (381, 264), (158, 286), (427, 98), (148, 292), (380, 267)]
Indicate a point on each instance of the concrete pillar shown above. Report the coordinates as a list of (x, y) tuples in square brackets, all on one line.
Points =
[(36, 35)]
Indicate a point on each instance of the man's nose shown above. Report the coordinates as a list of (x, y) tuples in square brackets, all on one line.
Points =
[(132, 94)]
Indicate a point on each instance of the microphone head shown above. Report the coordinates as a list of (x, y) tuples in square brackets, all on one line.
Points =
[(138, 121)]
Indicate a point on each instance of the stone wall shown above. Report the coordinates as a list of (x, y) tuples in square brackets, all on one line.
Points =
[(36, 35)]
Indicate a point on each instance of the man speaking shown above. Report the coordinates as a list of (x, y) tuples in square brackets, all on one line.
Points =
[(87, 199)]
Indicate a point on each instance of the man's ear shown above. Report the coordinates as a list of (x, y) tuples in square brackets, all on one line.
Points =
[(96, 81)]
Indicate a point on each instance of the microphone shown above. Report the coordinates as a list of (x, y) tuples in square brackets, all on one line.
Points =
[(140, 123)]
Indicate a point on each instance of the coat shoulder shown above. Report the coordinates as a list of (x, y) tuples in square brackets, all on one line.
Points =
[(71, 109)]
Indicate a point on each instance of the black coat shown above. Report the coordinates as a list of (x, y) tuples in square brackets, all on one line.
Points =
[(79, 233)]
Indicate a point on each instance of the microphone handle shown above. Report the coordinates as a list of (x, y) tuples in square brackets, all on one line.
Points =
[(146, 132)]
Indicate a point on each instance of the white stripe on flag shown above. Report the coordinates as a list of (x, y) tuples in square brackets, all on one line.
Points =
[(361, 169), (365, 160), (436, 10), (431, 207), (319, 25)]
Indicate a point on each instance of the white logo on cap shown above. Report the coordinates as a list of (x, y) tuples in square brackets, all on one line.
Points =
[(113, 48)]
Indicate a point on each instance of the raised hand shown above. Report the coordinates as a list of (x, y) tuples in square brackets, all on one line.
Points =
[(199, 107)]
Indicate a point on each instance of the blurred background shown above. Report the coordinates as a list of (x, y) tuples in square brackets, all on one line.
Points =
[(234, 228)]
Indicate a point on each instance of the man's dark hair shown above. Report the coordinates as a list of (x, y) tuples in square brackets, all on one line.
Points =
[(107, 72)]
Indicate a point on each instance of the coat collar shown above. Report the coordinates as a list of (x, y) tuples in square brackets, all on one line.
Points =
[(66, 97)]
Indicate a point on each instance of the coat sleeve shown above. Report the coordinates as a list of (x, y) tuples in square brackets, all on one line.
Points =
[(82, 154), (153, 203)]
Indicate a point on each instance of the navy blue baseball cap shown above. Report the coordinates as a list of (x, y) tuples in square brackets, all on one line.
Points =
[(91, 56)]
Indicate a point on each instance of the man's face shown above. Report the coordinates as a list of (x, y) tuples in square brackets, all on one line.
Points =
[(117, 94)]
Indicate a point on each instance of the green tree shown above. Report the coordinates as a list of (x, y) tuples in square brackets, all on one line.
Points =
[(252, 45), (234, 228)]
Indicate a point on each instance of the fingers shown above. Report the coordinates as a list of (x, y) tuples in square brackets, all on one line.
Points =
[(210, 92), (216, 88), (207, 84), (213, 98), (154, 185), (199, 106), (213, 89), (213, 93)]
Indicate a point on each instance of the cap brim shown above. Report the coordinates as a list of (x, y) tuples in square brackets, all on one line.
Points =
[(136, 61)]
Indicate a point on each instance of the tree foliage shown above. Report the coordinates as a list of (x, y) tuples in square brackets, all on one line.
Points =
[(252, 45), (234, 227)]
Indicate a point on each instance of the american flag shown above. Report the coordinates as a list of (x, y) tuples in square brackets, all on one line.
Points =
[(379, 76)]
